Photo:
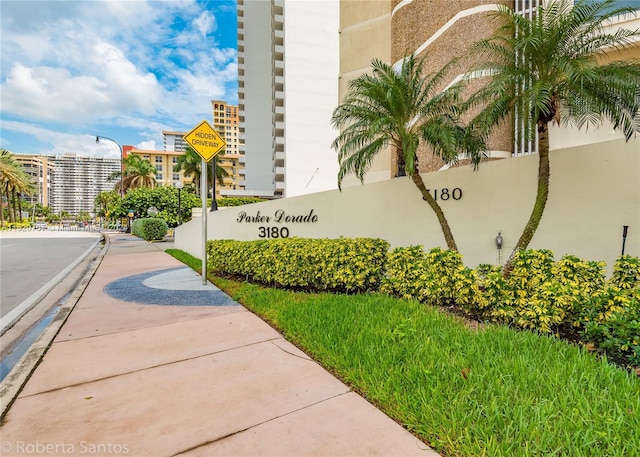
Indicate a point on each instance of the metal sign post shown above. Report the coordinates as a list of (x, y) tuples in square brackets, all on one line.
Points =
[(207, 143), (203, 193)]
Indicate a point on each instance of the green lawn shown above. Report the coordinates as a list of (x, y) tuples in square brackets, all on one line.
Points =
[(490, 391)]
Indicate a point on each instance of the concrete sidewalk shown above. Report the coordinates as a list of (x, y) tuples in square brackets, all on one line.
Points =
[(152, 363)]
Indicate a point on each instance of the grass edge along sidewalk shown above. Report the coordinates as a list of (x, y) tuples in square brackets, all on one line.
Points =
[(492, 391)]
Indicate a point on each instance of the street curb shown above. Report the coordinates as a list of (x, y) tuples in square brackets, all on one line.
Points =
[(7, 321), (13, 383)]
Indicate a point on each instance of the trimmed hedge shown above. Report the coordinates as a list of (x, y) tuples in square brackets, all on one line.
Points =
[(438, 278), (149, 228), (570, 297), (236, 201), (341, 265)]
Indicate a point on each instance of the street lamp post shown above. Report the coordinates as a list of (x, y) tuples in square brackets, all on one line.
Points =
[(98, 138), (179, 185)]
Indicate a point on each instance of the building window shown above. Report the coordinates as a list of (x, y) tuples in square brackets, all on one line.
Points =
[(174, 160), (158, 159), (176, 176), (159, 177), (158, 167)]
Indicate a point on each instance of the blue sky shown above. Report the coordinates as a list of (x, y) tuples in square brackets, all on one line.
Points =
[(127, 70)]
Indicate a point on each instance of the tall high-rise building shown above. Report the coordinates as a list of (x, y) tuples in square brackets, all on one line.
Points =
[(225, 122), (40, 168), (288, 64), (70, 182)]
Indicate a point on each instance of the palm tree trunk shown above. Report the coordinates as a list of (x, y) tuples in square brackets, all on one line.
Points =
[(20, 205), (2, 207), (541, 196), (444, 225), (13, 204), (214, 203)]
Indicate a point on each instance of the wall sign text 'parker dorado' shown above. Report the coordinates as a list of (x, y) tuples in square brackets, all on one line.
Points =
[(279, 217)]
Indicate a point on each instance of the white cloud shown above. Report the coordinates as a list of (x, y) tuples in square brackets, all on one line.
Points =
[(81, 66), (205, 23)]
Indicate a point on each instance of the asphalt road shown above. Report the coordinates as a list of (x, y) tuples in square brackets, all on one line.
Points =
[(31, 260)]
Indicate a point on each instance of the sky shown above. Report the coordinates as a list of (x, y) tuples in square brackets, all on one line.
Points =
[(126, 70)]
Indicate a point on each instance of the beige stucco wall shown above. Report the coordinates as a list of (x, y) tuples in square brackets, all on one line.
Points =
[(595, 190), (365, 34)]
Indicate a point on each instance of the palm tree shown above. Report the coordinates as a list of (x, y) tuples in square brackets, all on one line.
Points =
[(105, 202), (404, 109), (190, 163), (220, 174), (549, 68), (14, 181), (138, 172)]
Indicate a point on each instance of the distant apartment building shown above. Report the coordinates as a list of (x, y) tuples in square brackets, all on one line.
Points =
[(164, 161), (288, 67), (70, 182), (225, 122), (40, 168), (174, 141)]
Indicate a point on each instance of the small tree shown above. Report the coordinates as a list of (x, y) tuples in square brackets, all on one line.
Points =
[(138, 172), (404, 109), (549, 68), (163, 198)]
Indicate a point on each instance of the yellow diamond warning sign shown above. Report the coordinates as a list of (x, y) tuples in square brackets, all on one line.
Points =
[(205, 141)]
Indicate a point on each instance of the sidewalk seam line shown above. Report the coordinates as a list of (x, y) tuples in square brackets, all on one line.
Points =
[(307, 358), (150, 367), (228, 435), (87, 337)]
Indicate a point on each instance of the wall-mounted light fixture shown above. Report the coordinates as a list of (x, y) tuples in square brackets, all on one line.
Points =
[(499, 242)]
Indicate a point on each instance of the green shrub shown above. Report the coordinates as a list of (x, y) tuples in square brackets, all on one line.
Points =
[(611, 321), (438, 278), (150, 229), (580, 279), (610, 316), (626, 273), (345, 264), (17, 225), (498, 295), (448, 282), (406, 272), (541, 294), (236, 201), (235, 258)]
